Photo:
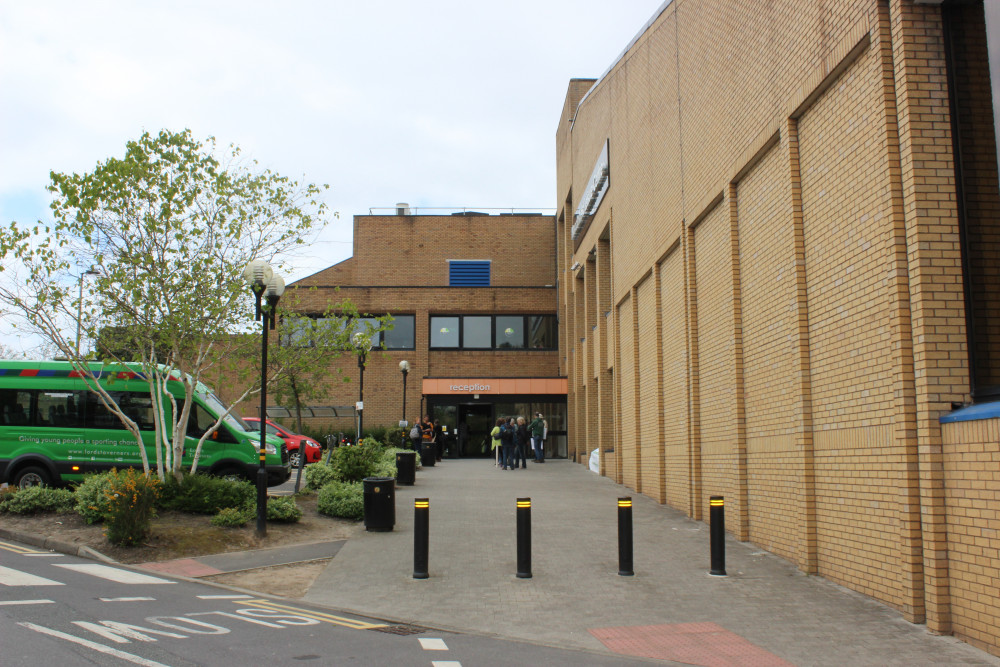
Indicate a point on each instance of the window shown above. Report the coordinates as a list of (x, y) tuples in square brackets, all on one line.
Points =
[(494, 332), (303, 331), (402, 334), (444, 332), (469, 273), (510, 332), (477, 332), (542, 332)]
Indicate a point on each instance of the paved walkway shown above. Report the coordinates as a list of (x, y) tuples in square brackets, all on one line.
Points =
[(765, 612)]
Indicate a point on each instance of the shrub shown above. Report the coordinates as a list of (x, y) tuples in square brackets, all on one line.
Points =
[(319, 475), (205, 494), (91, 501), (386, 465), (283, 510), (131, 505), (353, 464), (234, 517), (36, 499), (342, 499)]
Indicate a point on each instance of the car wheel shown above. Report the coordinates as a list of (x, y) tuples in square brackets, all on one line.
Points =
[(32, 476), (293, 458)]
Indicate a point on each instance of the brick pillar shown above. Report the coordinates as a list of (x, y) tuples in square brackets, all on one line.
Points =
[(930, 213)]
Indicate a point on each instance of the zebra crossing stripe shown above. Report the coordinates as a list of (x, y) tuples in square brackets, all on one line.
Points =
[(11, 603), (11, 577), (432, 644), (113, 573)]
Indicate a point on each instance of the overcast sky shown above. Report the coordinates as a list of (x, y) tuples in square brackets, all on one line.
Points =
[(435, 103)]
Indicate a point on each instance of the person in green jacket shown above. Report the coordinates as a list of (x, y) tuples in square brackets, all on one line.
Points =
[(496, 444), (537, 430)]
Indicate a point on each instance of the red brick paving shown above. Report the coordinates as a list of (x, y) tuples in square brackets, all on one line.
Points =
[(705, 644)]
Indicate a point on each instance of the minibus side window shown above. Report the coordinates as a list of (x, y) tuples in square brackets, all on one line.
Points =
[(59, 409), (138, 407), (201, 420), (98, 416), (15, 407)]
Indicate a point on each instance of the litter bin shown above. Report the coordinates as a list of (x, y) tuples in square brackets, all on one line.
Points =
[(380, 503), (406, 468), (428, 454)]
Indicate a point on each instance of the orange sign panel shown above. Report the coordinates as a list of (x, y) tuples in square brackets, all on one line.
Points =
[(466, 386)]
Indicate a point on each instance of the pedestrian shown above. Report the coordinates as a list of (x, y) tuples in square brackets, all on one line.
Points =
[(416, 436), (427, 433), (507, 440), (537, 429), (438, 440), (521, 438), (496, 444)]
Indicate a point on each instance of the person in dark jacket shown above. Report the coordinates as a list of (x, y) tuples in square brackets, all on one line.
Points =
[(507, 435), (521, 440)]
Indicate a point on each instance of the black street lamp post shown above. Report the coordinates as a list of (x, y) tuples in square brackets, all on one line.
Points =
[(267, 290), (404, 368), (363, 345)]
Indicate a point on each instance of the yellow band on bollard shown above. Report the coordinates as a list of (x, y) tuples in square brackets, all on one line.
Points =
[(524, 504), (715, 502), (421, 504), (625, 502)]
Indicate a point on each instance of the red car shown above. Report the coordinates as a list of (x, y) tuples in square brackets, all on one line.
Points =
[(314, 451)]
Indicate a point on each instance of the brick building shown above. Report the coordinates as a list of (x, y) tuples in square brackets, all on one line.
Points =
[(473, 299), (778, 283)]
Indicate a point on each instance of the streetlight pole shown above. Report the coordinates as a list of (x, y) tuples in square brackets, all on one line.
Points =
[(267, 289), (363, 345), (79, 307), (404, 367)]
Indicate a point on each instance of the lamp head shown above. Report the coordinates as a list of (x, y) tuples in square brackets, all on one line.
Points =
[(404, 366), (257, 274)]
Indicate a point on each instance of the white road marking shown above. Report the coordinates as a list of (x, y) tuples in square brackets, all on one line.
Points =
[(224, 597), (126, 599), (9, 603), (445, 663), (44, 555), (114, 574), (432, 644), (100, 648), (10, 577)]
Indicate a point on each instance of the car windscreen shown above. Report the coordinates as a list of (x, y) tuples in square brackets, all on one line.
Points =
[(217, 407)]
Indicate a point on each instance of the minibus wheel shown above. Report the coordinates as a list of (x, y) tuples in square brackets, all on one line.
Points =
[(31, 476)]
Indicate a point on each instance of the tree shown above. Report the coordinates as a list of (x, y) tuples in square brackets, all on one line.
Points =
[(166, 231)]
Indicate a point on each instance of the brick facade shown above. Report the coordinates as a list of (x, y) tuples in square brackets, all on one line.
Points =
[(400, 267), (786, 323)]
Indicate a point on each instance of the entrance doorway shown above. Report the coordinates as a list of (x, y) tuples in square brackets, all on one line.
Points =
[(475, 421)]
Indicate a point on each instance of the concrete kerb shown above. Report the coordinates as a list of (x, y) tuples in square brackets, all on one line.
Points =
[(53, 544)]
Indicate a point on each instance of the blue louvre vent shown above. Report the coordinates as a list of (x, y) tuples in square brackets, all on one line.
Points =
[(469, 273)]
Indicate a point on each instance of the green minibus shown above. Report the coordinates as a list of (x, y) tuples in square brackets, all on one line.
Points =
[(53, 430)]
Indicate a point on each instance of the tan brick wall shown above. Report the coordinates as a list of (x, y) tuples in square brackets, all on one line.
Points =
[(674, 381), (972, 489), (627, 427), (651, 452), (769, 302), (788, 177)]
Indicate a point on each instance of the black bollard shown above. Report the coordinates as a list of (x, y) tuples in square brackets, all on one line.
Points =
[(302, 464), (717, 515), (524, 538), (625, 537), (421, 524)]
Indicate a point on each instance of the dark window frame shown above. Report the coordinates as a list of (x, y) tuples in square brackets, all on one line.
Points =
[(525, 324)]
